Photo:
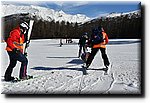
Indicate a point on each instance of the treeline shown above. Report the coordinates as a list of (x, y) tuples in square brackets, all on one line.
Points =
[(125, 26), (10, 22), (44, 29), (119, 27)]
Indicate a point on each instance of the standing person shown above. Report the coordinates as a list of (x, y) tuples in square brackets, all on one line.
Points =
[(60, 44), (82, 44), (15, 51), (99, 39)]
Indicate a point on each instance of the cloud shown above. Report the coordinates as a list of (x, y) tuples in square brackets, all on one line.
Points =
[(60, 3), (22, 2), (71, 3)]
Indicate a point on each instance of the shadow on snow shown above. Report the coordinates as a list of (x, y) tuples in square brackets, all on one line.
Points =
[(83, 70), (61, 57), (74, 62), (123, 42)]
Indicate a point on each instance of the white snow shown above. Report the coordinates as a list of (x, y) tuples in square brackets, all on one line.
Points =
[(115, 14), (43, 13), (58, 70)]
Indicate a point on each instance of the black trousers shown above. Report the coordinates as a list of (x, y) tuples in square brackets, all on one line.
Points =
[(80, 50), (13, 61), (93, 53)]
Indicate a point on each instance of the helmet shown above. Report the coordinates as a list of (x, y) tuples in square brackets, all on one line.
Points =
[(85, 33), (24, 25), (95, 31)]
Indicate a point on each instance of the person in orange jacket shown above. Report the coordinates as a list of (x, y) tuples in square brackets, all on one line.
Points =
[(98, 44), (15, 51)]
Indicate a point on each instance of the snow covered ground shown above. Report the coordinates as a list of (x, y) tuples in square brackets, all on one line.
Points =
[(58, 70)]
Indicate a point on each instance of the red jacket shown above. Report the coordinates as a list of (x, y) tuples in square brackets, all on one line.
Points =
[(15, 40)]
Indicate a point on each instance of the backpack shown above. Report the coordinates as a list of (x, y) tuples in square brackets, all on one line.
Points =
[(97, 36)]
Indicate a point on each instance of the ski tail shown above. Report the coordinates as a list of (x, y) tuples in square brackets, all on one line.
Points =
[(28, 35), (84, 70)]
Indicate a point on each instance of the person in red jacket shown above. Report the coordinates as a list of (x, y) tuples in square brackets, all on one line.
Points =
[(15, 51), (97, 45)]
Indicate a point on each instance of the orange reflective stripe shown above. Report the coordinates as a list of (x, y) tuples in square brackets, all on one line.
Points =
[(96, 46), (8, 49), (103, 46), (19, 45), (99, 45), (21, 41)]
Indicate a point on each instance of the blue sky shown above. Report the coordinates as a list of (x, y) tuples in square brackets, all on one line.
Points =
[(91, 9)]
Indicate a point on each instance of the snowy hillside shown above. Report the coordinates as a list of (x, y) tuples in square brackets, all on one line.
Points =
[(132, 13), (43, 13)]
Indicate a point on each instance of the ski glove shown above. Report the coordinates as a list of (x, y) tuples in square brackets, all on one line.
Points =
[(27, 45), (15, 50), (25, 54)]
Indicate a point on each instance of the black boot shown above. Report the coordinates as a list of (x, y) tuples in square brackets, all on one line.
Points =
[(26, 77), (9, 78)]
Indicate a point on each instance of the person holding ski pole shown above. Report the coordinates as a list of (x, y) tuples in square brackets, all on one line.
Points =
[(99, 39), (15, 51), (82, 44)]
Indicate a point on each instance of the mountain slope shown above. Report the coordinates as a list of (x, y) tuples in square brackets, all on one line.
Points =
[(43, 13), (136, 14)]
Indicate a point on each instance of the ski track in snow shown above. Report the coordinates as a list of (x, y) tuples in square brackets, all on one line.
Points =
[(60, 71), (111, 84)]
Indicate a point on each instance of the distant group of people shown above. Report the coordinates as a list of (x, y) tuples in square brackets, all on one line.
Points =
[(68, 40), (97, 41)]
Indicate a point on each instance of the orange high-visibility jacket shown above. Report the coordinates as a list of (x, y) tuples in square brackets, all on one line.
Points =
[(103, 44), (15, 40)]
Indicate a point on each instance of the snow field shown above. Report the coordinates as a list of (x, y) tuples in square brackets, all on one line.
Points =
[(57, 70)]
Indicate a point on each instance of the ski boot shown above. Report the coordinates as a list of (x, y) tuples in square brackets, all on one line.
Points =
[(26, 77), (10, 79), (108, 67)]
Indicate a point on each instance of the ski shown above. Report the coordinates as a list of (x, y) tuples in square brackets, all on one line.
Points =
[(11, 81), (84, 70), (106, 70), (28, 36)]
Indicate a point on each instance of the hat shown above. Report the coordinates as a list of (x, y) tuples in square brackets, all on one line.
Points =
[(95, 30), (85, 33)]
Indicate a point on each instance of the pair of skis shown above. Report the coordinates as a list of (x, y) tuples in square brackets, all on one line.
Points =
[(28, 36), (84, 57), (106, 70)]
